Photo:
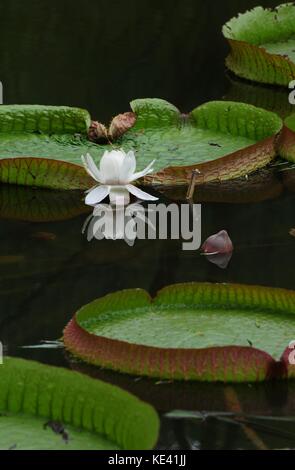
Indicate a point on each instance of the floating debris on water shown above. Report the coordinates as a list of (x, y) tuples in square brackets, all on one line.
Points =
[(44, 236), (45, 345)]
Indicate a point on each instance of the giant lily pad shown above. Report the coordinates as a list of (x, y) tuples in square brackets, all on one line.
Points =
[(41, 146), (48, 408), (207, 332), (223, 140), (262, 44)]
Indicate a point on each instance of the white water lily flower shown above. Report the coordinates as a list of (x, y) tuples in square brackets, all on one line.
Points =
[(115, 173)]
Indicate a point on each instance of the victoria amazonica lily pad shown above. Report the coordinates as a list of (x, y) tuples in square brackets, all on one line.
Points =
[(262, 44), (49, 408), (223, 140), (42, 146), (194, 331)]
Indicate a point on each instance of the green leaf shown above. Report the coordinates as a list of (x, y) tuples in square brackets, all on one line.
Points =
[(154, 113), (290, 122), (44, 132), (95, 415), (222, 139), (189, 331), (49, 120), (262, 44), (18, 432)]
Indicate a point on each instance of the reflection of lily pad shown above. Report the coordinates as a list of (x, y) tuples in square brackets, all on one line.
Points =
[(33, 205), (223, 140), (289, 179), (286, 140), (260, 186), (46, 407), (275, 99), (267, 398), (262, 44), (189, 331)]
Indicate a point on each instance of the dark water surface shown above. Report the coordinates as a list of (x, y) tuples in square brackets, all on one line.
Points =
[(100, 55)]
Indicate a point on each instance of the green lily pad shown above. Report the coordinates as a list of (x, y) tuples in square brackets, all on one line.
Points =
[(262, 44), (26, 433), (219, 138), (223, 140), (44, 408), (194, 331)]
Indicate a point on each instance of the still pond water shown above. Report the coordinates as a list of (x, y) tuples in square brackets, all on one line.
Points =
[(99, 57)]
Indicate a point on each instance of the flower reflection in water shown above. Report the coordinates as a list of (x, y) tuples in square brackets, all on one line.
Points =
[(117, 222)]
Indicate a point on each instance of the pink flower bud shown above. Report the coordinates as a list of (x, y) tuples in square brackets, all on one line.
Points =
[(217, 244), (218, 249)]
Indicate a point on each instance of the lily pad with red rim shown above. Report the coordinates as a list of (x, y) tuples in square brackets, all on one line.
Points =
[(262, 44), (223, 140), (42, 146), (194, 331)]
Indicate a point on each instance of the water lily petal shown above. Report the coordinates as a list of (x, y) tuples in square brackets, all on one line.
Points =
[(97, 195), (110, 166), (128, 167), (142, 173), (119, 195), (140, 194), (90, 167)]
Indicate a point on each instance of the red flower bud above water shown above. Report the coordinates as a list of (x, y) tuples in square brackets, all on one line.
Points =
[(218, 243), (218, 248)]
